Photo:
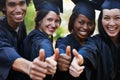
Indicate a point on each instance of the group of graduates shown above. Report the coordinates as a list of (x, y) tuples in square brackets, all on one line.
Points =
[(77, 56)]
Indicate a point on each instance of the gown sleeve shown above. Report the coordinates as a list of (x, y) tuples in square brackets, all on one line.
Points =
[(42, 44), (89, 52), (7, 55), (61, 44)]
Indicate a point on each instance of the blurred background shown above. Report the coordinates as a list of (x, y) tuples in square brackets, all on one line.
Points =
[(62, 30)]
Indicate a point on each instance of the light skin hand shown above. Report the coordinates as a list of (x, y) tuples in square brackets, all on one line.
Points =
[(52, 62), (75, 69), (64, 60), (38, 67)]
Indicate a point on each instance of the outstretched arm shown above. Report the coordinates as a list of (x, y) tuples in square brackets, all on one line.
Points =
[(36, 70)]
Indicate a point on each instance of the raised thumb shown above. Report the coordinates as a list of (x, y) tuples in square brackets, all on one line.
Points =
[(68, 51), (56, 54), (41, 54), (78, 57), (75, 53)]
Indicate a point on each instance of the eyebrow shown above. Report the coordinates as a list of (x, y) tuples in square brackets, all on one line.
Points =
[(14, 2)]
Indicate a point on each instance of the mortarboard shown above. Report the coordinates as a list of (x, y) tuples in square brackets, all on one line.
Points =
[(110, 4), (51, 5), (107, 4), (84, 7)]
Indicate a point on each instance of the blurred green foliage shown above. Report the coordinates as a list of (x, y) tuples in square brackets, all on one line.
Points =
[(29, 18)]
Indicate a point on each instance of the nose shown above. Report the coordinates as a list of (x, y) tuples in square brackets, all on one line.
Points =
[(85, 26), (18, 8), (53, 24), (111, 22)]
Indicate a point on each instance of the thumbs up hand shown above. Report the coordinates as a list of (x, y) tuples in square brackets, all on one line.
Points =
[(64, 60), (38, 68), (52, 62), (75, 69)]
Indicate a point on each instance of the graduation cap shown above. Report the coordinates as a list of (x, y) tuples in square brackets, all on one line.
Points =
[(51, 5), (107, 4), (110, 4), (84, 7)]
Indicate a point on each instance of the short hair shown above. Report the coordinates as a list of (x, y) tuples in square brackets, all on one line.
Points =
[(2, 4)]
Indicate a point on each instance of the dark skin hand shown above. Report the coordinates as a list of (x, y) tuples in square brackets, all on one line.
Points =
[(64, 60)]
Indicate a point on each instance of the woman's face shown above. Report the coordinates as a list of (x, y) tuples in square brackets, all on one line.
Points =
[(49, 23), (83, 27), (111, 22)]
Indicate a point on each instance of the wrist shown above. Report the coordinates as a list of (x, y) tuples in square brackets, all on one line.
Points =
[(29, 68)]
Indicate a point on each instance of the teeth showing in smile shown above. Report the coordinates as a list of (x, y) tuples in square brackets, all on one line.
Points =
[(83, 32), (111, 28), (18, 15)]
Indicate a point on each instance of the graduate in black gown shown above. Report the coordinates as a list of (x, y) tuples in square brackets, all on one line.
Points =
[(47, 20), (100, 55), (81, 26), (12, 33)]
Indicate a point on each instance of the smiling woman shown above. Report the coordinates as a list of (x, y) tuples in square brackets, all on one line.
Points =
[(111, 21), (81, 26), (47, 20)]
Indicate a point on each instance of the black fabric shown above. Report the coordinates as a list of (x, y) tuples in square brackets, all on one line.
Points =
[(104, 59), (35, 41), (9, 49), (62, 43)]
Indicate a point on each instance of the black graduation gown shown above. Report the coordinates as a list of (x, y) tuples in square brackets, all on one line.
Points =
[(62, 43), (35, 41), (101, 59), (9, 49)]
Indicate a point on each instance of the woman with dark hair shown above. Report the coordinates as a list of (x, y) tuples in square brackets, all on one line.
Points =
[(101, 53), (81, 26), (47, 20), (12, 33)]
